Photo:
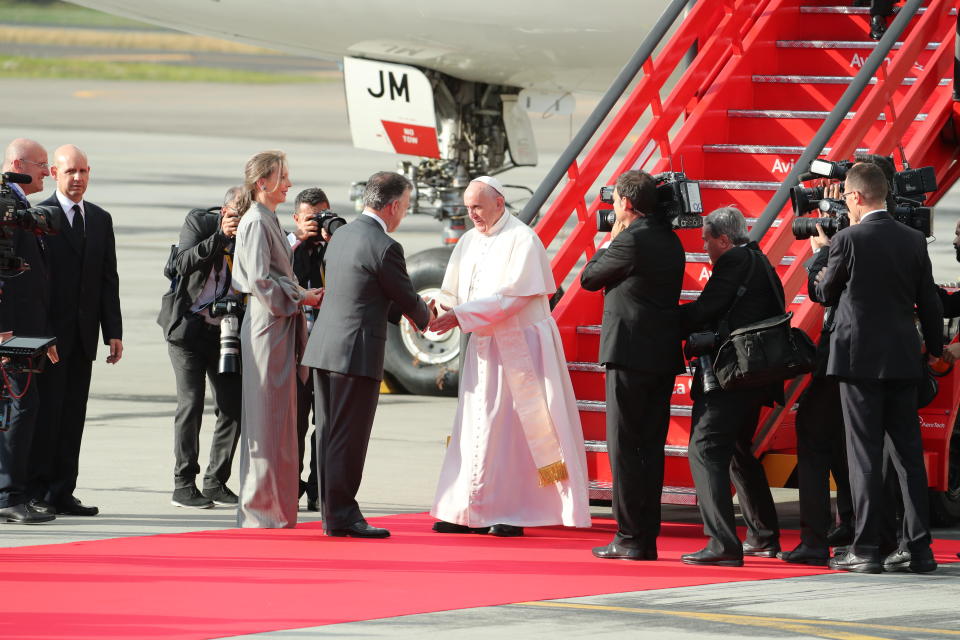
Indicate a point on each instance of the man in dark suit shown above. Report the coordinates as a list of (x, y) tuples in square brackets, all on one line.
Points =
[(24, 310), (86, 298), (366, 284), (192, 332), (641, 272), (743, 289), (309, 242), (877, 273)]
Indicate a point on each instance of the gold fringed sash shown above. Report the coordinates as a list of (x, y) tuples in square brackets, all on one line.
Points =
[(530, 401)]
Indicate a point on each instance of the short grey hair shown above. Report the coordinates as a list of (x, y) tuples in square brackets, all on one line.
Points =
[(383, 188), (727, 221), (232, 194)]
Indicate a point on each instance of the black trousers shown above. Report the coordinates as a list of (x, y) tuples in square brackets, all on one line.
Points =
[(192, 367), (55, 453), (638, 416), (820, 450), (304, 407), (19, 420), (724, 423), (878, 411), (881, 7), (346, 406)]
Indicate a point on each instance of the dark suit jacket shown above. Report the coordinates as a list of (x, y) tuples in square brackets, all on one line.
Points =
[(201, 248), (366, 282), (878, 272), (25, 301), (307, 262), (760, 300), (950, 302), (85, 287), (641, 273)]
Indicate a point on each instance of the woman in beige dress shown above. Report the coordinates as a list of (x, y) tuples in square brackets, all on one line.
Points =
[(271, 337)]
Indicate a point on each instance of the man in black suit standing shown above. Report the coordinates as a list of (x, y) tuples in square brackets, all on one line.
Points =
[(192, 332), (366, 284), (86, 298), (743, 289), (24, 310), (878, 272), (641, 272)]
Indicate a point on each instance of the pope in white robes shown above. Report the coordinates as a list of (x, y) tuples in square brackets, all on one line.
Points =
[(516, 457)]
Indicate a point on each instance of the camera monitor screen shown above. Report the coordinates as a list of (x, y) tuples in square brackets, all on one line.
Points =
[(23, 345)]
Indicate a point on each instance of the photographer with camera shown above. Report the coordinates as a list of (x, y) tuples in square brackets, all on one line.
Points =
[(742, 289), (192, 322), (641, 273), (315, 226), (820, 434), (24, 309), (878, 274)]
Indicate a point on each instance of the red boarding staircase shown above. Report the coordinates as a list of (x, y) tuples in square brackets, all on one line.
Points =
[(765, 79)]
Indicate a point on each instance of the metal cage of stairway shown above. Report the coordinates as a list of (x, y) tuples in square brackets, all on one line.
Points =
[(755, 75)]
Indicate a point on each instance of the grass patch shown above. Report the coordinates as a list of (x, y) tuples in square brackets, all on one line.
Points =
[(120, 39), (62, 13), (23, 67)]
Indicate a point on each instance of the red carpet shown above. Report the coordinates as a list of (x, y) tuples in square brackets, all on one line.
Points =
[(214, 584)]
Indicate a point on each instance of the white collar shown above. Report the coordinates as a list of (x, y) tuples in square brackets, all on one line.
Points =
[(67, 205), (864, 216), (379, 220)]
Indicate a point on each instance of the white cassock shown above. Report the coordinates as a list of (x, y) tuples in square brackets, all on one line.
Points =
[(516, 455)]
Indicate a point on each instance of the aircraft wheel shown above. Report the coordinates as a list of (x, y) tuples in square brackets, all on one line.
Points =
[(424, 364)]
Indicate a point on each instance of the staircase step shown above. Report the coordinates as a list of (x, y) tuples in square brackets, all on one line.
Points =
[(814, 91), (600, 490), (783, 126), (599, 406), (749, 161), (669, 450), (836, 56)]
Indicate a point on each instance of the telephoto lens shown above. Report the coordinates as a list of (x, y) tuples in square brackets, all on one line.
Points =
[(229, 344)]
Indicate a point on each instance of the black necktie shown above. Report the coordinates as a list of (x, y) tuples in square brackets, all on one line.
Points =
[(78, 227)]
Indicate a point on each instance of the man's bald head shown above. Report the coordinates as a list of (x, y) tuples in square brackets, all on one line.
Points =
[(71, 171), (28, 157)]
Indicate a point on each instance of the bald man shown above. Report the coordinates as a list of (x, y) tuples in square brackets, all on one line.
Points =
[(516, 457), (86, 300), (24, 311)]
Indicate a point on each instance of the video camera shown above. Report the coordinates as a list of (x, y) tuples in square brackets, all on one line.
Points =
[(328, 221), (678, 199), (13, 215), (908, 185)]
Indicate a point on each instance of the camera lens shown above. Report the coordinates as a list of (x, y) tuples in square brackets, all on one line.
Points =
[(605, 219), (229, 345)]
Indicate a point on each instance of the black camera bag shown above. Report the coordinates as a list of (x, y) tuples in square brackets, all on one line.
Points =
[(765, 352)]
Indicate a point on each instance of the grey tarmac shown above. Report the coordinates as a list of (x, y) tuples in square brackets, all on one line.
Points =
[(157, 150)]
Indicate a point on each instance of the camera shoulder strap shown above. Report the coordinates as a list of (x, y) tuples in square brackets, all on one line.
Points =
[(724, 328)]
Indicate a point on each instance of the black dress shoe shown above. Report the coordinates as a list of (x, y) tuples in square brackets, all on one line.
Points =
[(506, 531), (840, 536), (73, 507), (913, 562), (708, 557), (449, 527), (614, 551), (313, 504), (41, 507), (22, 514), (766, 551), (857, 564), (804, 554), (359, 529), (878, 27)]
